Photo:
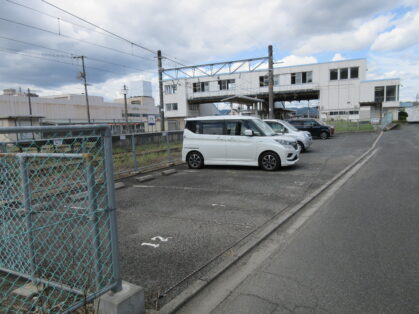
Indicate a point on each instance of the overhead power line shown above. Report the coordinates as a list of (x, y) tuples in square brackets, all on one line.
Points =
[(75, 39), (11, 51), (71, 54), (60, 19), (52, 16), (101, 28), (171, 58)]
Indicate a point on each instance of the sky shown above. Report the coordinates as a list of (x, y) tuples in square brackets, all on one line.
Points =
[(40, 57)]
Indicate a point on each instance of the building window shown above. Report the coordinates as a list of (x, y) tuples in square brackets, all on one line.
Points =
[(135, 102), (301, 77), (343, 73), (193, 107), (354, 72), (391, 93), (354, 112), (200, 87), (296, 78), (264, 80), (379, 94), (333, 74), (309, 75), (226, 84), (276, 80), (170, 89), (171, 107)]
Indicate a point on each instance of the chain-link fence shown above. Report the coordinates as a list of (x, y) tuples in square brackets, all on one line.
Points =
[(146, 151), (347, 125), (58, 245)]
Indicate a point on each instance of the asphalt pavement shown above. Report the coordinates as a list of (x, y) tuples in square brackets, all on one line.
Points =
[(174, 225), (357, 254)]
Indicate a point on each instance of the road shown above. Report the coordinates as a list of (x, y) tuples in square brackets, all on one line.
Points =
[(357, 254), (204, 212)]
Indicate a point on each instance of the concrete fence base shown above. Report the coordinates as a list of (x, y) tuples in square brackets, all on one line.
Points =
[(130, 300)]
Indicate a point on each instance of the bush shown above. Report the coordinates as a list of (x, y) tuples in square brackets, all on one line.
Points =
[(402, 115)]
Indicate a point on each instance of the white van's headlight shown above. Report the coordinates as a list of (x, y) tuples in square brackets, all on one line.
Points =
[(284, 142)]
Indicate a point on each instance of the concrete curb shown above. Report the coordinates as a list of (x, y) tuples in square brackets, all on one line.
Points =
[(119, 185), (168, 172), (145, 178), (127, 175), (258, 237)]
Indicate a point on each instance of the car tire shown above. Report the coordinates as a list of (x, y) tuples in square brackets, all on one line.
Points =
[(269, 161), (195, 160), (324, 135), (301, 146)]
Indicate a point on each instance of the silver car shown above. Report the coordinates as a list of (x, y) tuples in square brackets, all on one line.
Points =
[(303, 138)]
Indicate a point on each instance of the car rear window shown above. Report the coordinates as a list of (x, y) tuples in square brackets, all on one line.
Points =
[(296, 122), (192, 126), (212, 127)]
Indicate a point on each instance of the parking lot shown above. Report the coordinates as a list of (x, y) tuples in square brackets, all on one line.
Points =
[(196, 215)]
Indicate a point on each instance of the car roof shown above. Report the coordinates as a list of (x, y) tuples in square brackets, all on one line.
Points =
[(222, 118), (273, 120)]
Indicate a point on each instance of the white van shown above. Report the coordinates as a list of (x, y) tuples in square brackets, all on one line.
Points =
[(236, 140), (303, 138)]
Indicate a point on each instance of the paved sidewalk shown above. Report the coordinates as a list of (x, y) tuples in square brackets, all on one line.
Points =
[(358, 254)]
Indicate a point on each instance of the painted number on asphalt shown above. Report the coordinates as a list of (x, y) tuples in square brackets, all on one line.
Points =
[(156, 245)]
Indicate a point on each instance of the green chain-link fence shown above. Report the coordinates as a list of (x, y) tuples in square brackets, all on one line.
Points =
[(58, 244), (146, 151)]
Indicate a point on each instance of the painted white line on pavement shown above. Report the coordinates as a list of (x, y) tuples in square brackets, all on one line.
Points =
[(160, 238), (150, 244)]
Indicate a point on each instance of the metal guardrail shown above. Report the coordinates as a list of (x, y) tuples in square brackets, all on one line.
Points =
[(58, 231)]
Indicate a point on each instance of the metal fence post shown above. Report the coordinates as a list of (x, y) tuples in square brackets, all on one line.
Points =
[(90, 178), (110, 187), (168, 146), (134, 152), (24, 173)]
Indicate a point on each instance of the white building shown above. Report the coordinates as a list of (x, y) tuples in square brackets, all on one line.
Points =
[(72, 108), (341, 88)]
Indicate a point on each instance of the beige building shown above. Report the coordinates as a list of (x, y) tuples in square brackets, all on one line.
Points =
[(71, 108)]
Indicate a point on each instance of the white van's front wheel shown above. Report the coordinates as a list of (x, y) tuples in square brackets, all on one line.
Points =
[(270, 161), (195, 160)]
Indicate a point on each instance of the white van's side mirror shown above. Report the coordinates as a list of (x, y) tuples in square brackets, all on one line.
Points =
[(248, 132)]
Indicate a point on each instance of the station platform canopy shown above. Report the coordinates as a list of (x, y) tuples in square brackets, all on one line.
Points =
[(245, 100)]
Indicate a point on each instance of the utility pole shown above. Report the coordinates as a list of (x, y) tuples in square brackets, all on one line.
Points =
[(125, 92), (30, 105), (271, 82), (83, 76), (30, 102), (160, 69)]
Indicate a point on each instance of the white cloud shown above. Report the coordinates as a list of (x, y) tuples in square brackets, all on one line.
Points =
[(405, 34), (359, 38), (296, 60), (405, 67), (196, 31), (338, 57)]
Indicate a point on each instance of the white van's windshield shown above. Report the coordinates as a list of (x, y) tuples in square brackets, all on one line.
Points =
[(264, 127), (289, 126)]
